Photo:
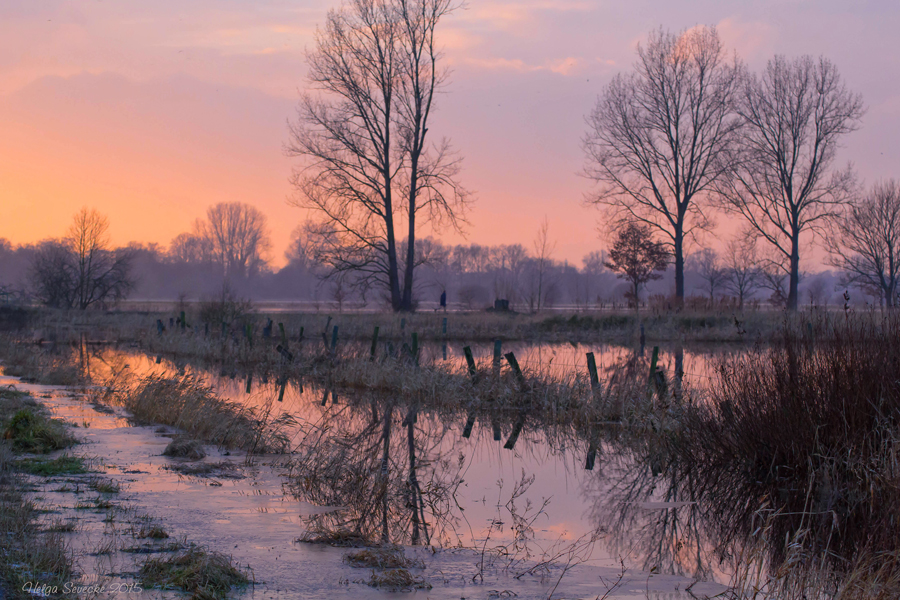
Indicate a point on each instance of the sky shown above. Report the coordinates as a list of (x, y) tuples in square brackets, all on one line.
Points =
[(152, 111)]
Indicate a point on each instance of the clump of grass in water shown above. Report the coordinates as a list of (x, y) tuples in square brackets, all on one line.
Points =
[(31, 431), (182, 447), (202, 572), (187, 403), (104, 486), (392, 557), (62, 465), (397, 580), (148, 529), (339, 538)]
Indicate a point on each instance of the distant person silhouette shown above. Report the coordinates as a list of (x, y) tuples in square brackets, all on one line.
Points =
[(444, 300)]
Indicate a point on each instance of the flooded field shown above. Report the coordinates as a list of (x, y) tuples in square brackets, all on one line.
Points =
[(479, 475), (666, 472)]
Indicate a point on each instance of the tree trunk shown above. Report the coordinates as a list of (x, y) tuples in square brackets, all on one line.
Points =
[(413, 484), (407, 301), (385, 459), (679, 263), (793, 293), (888, 298), (393, 274)]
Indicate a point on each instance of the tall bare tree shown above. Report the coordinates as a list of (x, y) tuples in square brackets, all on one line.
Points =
[(864, 241), (541, 264), (742, 268), (794, 116), (660, 137), (368, 164), (237, 237)]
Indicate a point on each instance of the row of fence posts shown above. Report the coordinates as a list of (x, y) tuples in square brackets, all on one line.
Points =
[(656, 381)]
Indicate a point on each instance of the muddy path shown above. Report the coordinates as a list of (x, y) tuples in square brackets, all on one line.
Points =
[(242, 510)]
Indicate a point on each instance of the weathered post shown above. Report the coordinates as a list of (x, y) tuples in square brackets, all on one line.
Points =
[(498, 344), (249, 382), (591, 457), (511, 359), (284, 340), (652, 377), (592, 371), (470, 422), (334, 336), (516, 430), (470, 361), (374, 343)]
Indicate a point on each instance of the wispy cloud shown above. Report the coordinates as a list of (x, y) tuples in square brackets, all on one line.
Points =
[(562, 66)]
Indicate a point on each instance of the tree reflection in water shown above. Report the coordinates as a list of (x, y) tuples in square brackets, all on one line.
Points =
[(391, 487)]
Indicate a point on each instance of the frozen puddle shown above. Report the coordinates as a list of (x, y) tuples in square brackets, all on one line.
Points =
[(243, 511)]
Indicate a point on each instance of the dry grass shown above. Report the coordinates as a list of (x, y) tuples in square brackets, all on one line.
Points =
[(182, 447), (26, 553), (390, 557), (204, 573), (186, 403), (338, 538), (397, 580)]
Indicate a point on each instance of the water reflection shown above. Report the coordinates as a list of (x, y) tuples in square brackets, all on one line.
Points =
[(416, 474)]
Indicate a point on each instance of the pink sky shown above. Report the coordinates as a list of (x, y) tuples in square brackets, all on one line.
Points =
[(151, 111)]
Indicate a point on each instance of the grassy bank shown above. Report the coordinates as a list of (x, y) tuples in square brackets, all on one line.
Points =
[(27, 554), (620, 326)]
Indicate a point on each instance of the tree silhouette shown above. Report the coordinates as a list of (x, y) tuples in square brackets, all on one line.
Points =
[(637, 257)]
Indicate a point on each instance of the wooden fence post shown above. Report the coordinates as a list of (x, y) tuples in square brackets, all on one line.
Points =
[(374, 343), (470, 422), (511, 359), (592, 371), (470, 360), (498, 344), (651, 383)]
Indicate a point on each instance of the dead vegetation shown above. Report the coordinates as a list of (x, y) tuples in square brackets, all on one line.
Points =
[(196, 570), (182, 447), (26, 552), (188, 404), (397, 580), (389, 557)]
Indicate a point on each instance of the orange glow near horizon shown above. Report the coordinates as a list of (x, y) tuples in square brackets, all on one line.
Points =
[(151, 113)]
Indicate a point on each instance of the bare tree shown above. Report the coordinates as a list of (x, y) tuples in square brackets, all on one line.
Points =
[(793, 116), (710, 269), (237, 237), (660, 137), (53, 275), (190, 248), (368, 164), (742, 268), (81, 270), (543, 250), (864, 241), (637, 257)]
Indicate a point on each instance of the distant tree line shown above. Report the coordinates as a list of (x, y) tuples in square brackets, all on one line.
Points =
[(82, 270)]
